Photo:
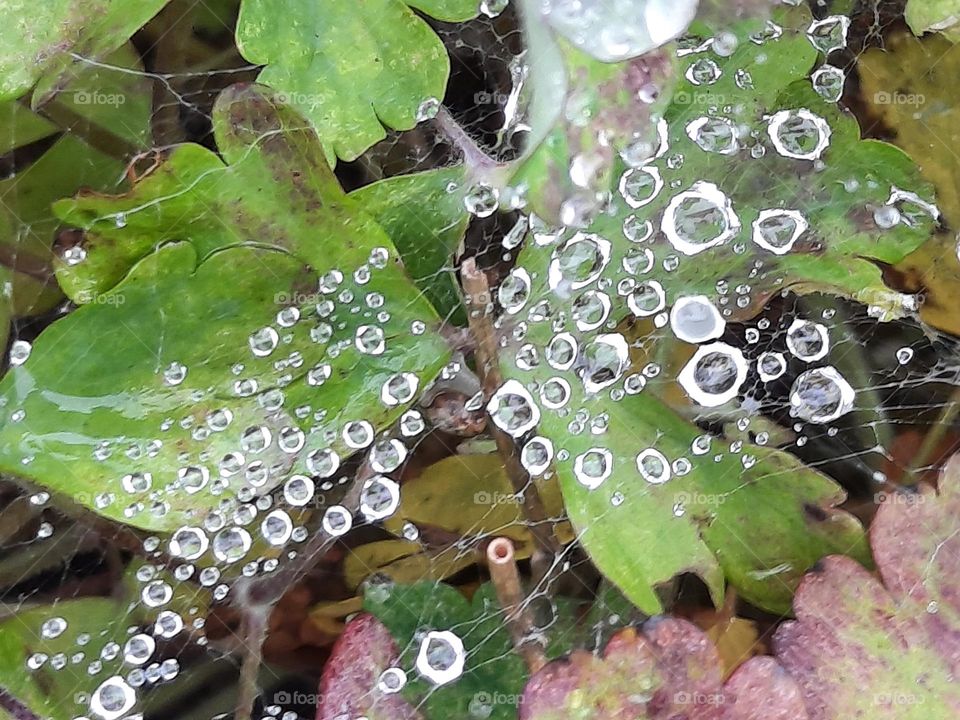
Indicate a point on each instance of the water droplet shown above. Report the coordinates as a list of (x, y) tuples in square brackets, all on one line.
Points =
[(715, 135), (770, 366), (537, 455), (174, 373), (513, 410), (19, 352), (482, 200), (514, 291), (52, 628), (714, 374), (639, 186), (694, 319), (379, 498), (112, 698), (829, 34), (579, 262), (821, 395), (231, 544), (778, 230), (337, 520), (799, 134), (653, 466), (592, 467), (648, 298), (441, 657), (490, 8), (603, 362), (370, 340), (428, 109), (828, 82), (264, 341), (699, 218), (807, 341), (189, 543)]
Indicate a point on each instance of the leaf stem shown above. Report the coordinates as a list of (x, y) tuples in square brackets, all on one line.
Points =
[(506, 581), (96, 136), (479, 165), (254, 633), (478, 303)]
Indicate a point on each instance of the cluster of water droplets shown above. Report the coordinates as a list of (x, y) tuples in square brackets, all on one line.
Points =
[(568, 319)]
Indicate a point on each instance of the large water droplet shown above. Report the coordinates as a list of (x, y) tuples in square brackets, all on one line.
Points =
[(441, 657), (714, 374), (821, 395), (778, 230), (799, 134), (513, 410), (699, 218), (694, 319), (807, 341)]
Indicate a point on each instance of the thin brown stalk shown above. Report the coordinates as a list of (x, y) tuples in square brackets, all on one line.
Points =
[(477, 290), (506, 581)]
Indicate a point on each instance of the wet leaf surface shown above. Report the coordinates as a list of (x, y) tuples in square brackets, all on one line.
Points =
[(352, 68), (887, 648), (424, 215), (48, 38), (669, 670), (909, 87), (349, 686), (493, 674), (206, 351)]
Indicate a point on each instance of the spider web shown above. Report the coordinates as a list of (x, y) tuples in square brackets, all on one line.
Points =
[(904, 375)]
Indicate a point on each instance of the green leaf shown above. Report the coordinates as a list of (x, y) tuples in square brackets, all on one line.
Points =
[(353, 68), (425, 217), (46, 691), (36, 641), (596, 111), (860, 642), (492, 669), (54, 37), (239, 243), (939, 15), (726, 513), (20, 126)]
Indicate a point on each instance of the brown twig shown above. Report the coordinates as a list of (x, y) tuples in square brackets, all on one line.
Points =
[(506, 581), (254, 633), (477, 291)]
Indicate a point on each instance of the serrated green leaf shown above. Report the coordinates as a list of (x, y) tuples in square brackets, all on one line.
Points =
[(55, 37), (353, 68), (492, 670), (425, 217), (238, 243)]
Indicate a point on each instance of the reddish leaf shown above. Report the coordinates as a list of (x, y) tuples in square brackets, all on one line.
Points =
[(862, 649), (670, 670), (348, 687)]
